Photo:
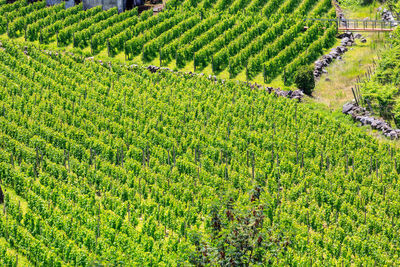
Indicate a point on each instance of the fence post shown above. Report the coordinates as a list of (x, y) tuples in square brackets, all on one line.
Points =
[(108, 47), (264, 73), (125, 49), (194, 62), (159, 52), (247, 72), (229, 68), (212, 64), (337, 23), (284, 77), (355, 97)]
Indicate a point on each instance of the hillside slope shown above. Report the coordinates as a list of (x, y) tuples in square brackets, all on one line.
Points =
[(104, 163)]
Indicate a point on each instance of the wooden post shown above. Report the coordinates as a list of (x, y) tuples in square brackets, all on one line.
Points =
[(125, 51), (212, 64), (5, 205), (265, 79), (160, 57), (69, 165), (355, 97), (229, 68), (129, 212), (247, 72), (194, 62), (108, 48), (252, 165)]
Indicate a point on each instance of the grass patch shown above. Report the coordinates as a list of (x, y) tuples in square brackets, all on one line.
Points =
[(334, 88), (362, 12)]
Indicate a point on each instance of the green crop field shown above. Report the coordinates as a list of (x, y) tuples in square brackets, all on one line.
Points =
[(256, 37), (109, 163)]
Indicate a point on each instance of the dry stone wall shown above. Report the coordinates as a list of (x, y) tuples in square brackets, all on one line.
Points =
[(347, 39), (364, 117), (387, 16)]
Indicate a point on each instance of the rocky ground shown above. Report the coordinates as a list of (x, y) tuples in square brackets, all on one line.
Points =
[(362, 115), (387, 16)]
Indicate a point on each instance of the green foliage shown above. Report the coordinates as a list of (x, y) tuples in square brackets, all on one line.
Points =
[(228, 34), (238, 236), (118, 164), (382, 90), (304, 79)]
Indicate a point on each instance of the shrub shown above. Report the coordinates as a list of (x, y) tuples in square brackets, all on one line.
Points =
[(304, 79)]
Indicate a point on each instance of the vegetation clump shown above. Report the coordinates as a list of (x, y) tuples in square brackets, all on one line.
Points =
[(304, 80)]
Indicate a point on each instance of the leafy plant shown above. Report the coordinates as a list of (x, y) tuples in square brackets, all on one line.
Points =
[(304, 79)]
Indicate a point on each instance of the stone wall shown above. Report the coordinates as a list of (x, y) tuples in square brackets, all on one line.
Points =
[(120, 4), (53, 2), (107, 4), (362, 115), (69, 3), (88, 4)]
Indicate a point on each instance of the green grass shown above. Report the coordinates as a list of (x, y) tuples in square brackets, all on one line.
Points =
[(362, 12), (334, 88)]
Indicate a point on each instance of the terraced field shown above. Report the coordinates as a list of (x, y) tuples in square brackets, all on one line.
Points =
[(108, 163), (103, 163), (250, 38)]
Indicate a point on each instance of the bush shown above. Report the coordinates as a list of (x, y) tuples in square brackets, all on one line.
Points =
[(304, 79)]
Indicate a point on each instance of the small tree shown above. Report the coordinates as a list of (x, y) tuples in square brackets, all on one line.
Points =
[(238, 236), (304, 80)]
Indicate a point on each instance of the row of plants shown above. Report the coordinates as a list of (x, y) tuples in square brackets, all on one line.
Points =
[(102, 37), (204, 56), (152, 48), (168, 51), (18, 26), (83, 38), (312, 53), (173, 160), (217, 33), (33, 29), (67, 34), (135, 46), (165, 151), (117, 43), (187, 52), (67, 24)]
